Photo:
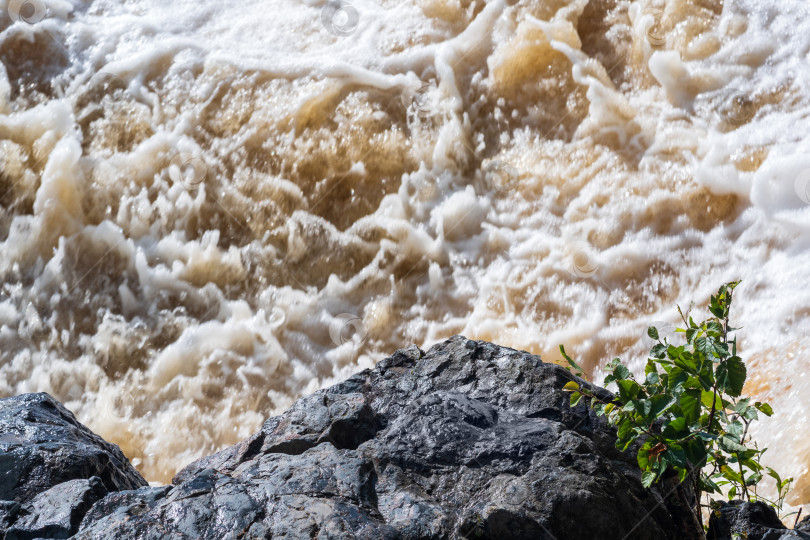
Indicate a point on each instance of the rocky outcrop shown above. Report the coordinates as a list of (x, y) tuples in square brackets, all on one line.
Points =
[(468, 440)]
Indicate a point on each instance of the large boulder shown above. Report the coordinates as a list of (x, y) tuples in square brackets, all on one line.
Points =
[(469, 440)]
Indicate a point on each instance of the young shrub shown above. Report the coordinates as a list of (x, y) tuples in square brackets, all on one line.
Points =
[(688, 412)]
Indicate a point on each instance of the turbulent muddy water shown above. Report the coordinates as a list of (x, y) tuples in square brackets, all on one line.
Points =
[(209, 209)]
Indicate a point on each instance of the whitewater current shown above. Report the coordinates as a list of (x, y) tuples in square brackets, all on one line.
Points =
[(209, 209)]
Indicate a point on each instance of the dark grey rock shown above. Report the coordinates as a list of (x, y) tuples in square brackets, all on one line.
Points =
[(751, 521), (470, 440), (8, 513), (117, 506), (57, 512), (42, 445)]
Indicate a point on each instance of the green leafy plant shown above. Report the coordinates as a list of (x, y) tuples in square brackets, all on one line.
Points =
[(688, 414)]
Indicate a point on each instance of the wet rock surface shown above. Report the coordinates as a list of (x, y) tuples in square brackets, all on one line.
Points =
[(468, 440), (43, 445), (53, 469), (56, 513)]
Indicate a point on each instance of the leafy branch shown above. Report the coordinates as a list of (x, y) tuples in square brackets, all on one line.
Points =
[(688, 414)]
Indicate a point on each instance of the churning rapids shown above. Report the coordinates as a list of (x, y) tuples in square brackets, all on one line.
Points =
[(208, 209)]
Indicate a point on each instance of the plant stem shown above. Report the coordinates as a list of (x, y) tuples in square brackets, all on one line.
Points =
[(745, 431), (742, 476), (714, 403)]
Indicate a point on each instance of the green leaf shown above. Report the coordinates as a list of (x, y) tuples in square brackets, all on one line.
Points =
[(660, 403), (728, 444), (704, 346), (624, 444), (625, 431), (577, 368), (621, 372), (730, 376), (630, 406), (644, 407), (764, 408), (675, 455), (693, 382), (696, 453), (575, 399), (717, 309), (708, 485), (611, 365), (677, 377), (658, 350), (773, 474), (570, 386), (628, 389), (714, 328), (675, 428), (741, 406), (690, 405), (711, 348), (750, 414), (731, 285), (652, 332), (674, 352), (752, 464), (735, 428), (648, 478), (731, 474), (706, 399), (643, 456), (686, 361)]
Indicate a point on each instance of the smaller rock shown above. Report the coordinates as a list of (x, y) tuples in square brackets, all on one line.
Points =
[(57, 513), (752, 521), (8, 513), (119, 507), (43, 445)]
